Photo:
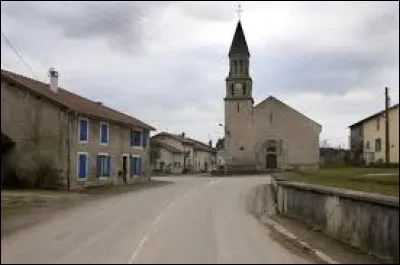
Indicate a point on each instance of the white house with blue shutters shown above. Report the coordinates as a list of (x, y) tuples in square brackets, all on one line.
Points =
[(90, 143)]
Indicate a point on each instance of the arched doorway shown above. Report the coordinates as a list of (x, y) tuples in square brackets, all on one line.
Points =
[(271, 161)]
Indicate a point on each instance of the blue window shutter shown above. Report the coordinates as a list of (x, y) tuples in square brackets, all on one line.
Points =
[(134, 165), (98, 166), (104, 131), (83, 130), (131, 138), (108, 165), (82, 166), (145, 137), (140, 166)]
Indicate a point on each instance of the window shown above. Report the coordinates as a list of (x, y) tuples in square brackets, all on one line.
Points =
[(237, 104), (83, 130), (240, 66), (271, 118), (378, 145), (82, 166), (104, 133), (103, 166), (367, 146), (136, 166), (378, 124), (235, 67), (136, 138), (232, 89), (244, 89)]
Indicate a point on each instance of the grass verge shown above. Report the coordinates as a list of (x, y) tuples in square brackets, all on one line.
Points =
[(349, 178)]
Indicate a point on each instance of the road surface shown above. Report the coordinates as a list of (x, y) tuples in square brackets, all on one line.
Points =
[(196, 219)]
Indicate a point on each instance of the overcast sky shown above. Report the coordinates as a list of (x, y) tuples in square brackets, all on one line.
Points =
[(166, 62)]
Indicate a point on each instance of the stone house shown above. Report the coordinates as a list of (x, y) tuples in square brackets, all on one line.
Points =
[(195, 156), (367, 138), (88, 142), (169, 158)]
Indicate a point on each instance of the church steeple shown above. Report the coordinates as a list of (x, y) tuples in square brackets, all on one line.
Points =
[(239, 44)]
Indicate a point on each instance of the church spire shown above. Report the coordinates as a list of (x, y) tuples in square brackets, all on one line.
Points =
[(239, 44)]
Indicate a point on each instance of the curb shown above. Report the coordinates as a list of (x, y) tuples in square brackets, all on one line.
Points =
[(317, 254)]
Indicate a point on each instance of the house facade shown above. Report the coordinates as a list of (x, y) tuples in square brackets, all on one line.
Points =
[(194, 156), (88, 143), (367, 137), (168, 159)]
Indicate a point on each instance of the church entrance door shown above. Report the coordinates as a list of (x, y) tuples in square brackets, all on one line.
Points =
[(271, 161)]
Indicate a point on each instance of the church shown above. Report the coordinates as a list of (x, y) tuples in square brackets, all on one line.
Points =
[(269, 135)]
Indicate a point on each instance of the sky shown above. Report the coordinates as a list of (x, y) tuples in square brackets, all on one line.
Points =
[(165, 63)]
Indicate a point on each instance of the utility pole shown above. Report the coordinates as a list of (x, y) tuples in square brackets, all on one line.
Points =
[(387, 142)]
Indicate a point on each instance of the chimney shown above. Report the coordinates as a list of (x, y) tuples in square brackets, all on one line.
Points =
[(53, 79), (210, 143), (183, 135)]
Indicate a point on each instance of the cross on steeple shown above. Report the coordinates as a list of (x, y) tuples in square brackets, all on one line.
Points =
[(239, 10)]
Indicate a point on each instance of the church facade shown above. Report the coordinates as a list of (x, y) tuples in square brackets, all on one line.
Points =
[(268, 136)]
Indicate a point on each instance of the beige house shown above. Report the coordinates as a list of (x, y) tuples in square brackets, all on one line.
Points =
[(89, 143), (169, 158), (268, 136), (367, 137), (194, 156)]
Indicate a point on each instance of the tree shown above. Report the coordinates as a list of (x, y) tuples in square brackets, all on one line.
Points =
[(154, 153)]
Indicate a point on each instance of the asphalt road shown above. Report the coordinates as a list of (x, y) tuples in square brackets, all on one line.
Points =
[(194, 220)]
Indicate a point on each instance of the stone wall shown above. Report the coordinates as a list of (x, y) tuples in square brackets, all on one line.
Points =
[(366, 221)]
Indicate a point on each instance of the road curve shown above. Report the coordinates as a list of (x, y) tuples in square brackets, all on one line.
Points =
[(196, 219)]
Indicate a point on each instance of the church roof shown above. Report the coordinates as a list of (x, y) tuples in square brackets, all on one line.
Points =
[(272, 98), (239, 44)]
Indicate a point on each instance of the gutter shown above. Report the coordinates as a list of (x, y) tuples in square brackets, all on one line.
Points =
[(69, 113)]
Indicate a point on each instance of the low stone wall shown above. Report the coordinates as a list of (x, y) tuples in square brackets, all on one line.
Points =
[(366, 221)]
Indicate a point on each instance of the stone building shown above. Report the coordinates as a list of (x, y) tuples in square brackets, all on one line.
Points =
[(180, 153), (269, 135), (86, 141)]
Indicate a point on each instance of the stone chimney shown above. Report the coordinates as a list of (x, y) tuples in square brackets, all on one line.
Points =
[(53, 79)]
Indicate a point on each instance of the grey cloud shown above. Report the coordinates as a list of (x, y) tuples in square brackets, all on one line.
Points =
[(121, 24), (210, 11)]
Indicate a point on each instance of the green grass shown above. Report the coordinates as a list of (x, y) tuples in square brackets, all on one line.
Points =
[(349, 178)]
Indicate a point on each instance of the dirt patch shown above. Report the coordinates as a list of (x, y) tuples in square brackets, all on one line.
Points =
[(22, 209)]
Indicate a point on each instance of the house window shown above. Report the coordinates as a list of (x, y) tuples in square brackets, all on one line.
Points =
[(82, 166), (104, 133), (367, 145), (235, 67), (103, 166), (136, 138), (240, 66), (83, 130), (244, 89), (378, 145), (378, 124), (232, 89), (136, 166)]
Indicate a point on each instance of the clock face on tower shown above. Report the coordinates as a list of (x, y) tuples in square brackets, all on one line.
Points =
[(238, 86)]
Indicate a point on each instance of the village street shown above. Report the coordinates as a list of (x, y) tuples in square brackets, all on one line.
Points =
[(193, 220)]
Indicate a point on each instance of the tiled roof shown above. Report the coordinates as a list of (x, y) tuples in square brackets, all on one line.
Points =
[(72, 101), (374, 115), (166, 146), (186, 140)]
